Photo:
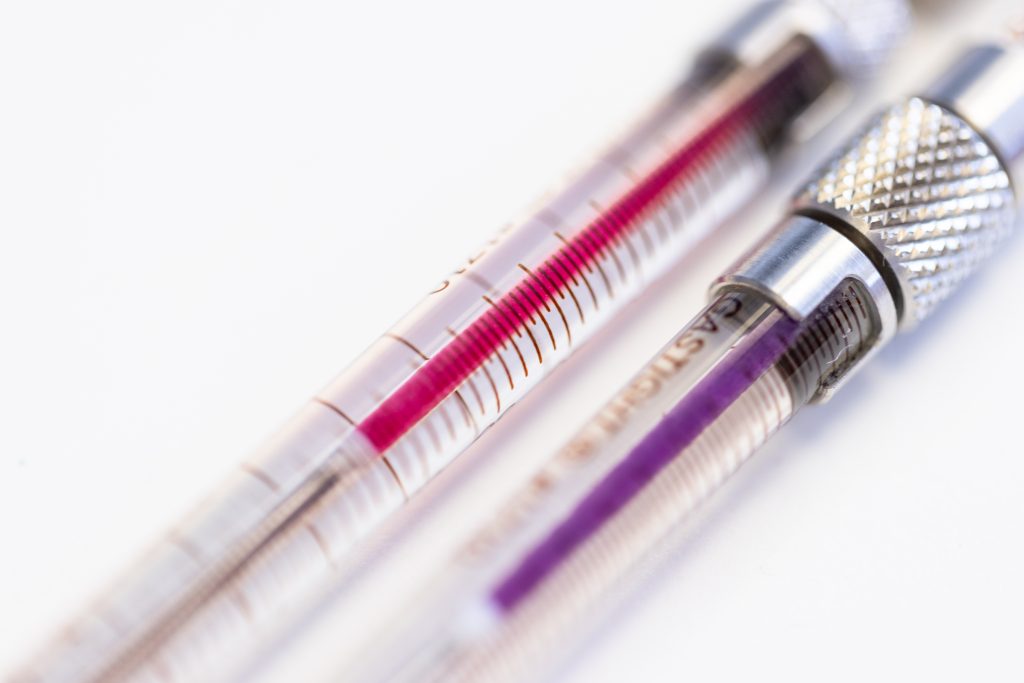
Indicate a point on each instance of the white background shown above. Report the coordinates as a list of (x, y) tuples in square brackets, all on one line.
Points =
[(208, 208)]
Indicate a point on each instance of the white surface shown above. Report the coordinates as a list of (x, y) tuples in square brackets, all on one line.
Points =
[(210, 207)]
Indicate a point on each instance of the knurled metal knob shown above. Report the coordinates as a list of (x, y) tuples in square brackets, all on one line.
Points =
[(923, 190)]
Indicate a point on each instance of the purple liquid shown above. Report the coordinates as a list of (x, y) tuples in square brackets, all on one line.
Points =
[(677, 430)]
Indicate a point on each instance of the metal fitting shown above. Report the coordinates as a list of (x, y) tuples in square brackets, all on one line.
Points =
[(855, 36), (985, 87), (799, 264)]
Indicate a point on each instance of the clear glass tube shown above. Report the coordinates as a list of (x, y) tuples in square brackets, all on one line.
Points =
[(560, 556)]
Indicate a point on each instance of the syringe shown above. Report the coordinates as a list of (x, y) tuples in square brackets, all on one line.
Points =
[(880, 236), (482, 339)]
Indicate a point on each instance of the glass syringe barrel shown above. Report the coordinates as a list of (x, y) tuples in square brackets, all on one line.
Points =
[(478, 343), (543, 568)]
